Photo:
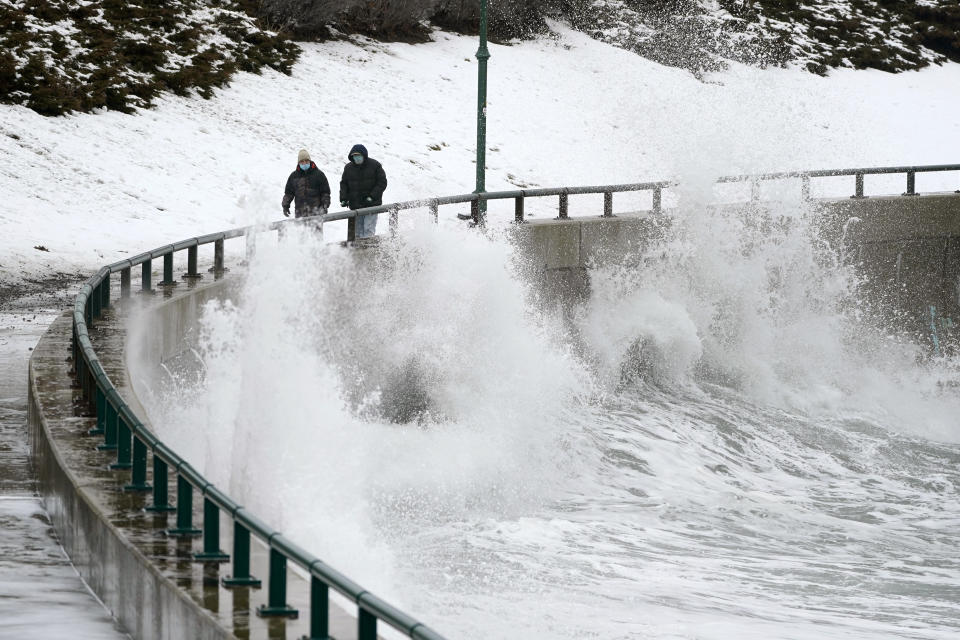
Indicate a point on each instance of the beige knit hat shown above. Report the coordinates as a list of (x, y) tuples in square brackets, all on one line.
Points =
[(303, 156)]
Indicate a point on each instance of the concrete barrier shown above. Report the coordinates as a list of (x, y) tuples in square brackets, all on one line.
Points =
[(907, 248)]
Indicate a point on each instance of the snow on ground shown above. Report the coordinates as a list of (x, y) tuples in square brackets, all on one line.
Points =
[(94, 188)]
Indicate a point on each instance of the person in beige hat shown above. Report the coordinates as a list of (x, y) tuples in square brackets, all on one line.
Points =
[(307, 187)]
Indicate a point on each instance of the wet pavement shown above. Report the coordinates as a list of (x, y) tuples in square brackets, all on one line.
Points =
[(41, 593)]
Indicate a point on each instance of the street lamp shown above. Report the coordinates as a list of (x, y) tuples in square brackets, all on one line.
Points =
[(480, 212)]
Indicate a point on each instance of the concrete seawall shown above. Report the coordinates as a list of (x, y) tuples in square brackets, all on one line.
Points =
[(907, 248)]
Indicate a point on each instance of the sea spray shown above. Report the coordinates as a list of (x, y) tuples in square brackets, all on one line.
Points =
[(301, 374), (751, 298), (754, 461)]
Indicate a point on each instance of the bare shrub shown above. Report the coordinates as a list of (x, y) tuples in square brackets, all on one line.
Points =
[(394, 19), (404, 19), (304, 19), (507, 19)]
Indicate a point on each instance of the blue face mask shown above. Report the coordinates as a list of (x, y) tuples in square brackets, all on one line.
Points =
[(304, 165), (358, 159)]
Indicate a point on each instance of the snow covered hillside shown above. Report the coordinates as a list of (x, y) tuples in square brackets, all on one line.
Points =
[(890, 35), (564, 110)]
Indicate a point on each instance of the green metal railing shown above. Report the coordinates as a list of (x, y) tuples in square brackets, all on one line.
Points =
[(136, 446), (656, 189), (858, 174)]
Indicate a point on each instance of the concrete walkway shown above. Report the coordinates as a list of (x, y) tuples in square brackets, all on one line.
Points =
[(41, 594)]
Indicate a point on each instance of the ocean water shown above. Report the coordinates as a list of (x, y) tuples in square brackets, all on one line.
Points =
[(718, 443)]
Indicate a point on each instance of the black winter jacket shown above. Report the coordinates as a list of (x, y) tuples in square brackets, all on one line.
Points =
[(310, 189), (363, 181)]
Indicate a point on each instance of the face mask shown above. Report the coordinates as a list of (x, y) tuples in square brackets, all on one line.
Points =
[(304, 165), (357, 159)]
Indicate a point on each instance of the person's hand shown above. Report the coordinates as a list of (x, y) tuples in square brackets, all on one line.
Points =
[(344, 203), (286, 212)]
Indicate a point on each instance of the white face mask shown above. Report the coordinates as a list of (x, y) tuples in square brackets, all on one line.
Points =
[(357, 159)]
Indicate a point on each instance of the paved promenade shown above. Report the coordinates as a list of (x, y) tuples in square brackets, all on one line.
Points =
[(41, 594)]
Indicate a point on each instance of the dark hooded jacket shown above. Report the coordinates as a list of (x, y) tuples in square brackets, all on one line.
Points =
[(362, 181), (309, 189)]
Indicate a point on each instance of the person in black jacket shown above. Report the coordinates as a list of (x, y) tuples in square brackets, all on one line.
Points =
[(308, 187), (362, 185)]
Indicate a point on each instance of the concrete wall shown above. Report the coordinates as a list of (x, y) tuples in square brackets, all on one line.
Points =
[(162, 333), (906, 247), (893, 218), (556, 253)]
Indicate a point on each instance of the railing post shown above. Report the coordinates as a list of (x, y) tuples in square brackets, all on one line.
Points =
[(858, 189), (607, 204), (805, 187), (95, 298), (351, 229), (754, 190), (125, 283), (435, 212), (241, 559), (123, 436), (319, 609), (100, 401), (191, 273), (105, 292), (92, 391), (73, 354), (564, 206), (160, 489), (138, 480), (911, 183), (184, 528), (82, 381), (475, 211), (518, 203), (109, 422), (211, 535), (366, 625), (277, 589), (168, 280), (394, 221), (217, 267), (251, 246), (145, 274), (657, 200), (85, 392)]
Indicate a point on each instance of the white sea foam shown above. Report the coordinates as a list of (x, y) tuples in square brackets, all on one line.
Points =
[(760, 475)]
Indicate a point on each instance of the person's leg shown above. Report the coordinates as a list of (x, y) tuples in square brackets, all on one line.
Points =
[(361, 227)]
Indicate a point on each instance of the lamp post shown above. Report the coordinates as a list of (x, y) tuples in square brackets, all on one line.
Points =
[(480, 212)]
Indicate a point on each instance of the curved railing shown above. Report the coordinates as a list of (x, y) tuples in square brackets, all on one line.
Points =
[(656, 188), (133, 442)]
